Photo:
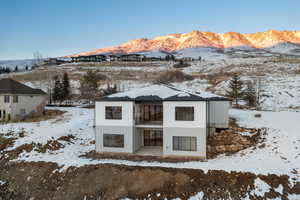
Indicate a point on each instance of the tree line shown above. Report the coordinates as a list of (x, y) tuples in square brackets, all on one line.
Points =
[(89, 87), (7, 70)]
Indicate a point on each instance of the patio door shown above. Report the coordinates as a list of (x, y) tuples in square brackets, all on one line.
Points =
[(153, 138)]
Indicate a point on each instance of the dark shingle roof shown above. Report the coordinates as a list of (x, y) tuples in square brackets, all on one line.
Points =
[(162, 93), (9, 86)]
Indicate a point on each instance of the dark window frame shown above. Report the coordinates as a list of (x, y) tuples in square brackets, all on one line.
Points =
[(6, 98), (113, 112), (182, 111), (15, 99), (178, 143), (108, 140)]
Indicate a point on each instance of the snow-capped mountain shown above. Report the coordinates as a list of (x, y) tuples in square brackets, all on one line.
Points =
[(268, 40)]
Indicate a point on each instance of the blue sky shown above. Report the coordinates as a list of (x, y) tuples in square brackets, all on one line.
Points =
[(62, 27)]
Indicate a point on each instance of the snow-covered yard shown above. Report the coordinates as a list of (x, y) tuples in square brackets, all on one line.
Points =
[(280, 154)]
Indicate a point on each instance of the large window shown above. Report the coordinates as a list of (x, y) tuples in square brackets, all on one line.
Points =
[(184, 143), (152, 113), (184, 113), (6, 99), (113, 112), (113, 140)]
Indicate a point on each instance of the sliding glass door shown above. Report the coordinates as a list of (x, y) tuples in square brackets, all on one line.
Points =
[(153, 138)]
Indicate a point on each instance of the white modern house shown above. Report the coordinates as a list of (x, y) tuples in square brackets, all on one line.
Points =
[(174, 121), (18, 101)]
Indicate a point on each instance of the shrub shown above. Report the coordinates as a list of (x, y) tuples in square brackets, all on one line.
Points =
[(173, 76), (181, 64)]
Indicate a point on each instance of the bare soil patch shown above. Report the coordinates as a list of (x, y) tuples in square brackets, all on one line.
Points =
[(43, 181)]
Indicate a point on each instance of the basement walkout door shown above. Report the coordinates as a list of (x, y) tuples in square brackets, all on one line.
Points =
[(153, 138)]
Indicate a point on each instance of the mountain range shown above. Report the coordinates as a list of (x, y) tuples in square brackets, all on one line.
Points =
[(198, 39)]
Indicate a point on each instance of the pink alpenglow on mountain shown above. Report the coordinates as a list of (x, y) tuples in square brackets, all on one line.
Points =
[(194, 39)]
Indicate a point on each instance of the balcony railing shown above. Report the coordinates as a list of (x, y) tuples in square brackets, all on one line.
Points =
[(158, 123)]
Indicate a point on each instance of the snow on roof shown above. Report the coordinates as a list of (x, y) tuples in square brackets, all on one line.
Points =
[(152, 90), (162, 92)]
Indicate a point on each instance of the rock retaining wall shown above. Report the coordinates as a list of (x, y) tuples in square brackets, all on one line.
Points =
[(232, 140)]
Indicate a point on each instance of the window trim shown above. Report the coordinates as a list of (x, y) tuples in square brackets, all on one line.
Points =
[(184, 107), (177, 146), (112, 113), (113, 135)]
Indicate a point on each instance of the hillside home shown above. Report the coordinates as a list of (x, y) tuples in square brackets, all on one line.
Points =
[(174, 121), (18, 100)]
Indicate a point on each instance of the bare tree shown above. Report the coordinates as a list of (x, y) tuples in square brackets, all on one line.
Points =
[(38, 58)]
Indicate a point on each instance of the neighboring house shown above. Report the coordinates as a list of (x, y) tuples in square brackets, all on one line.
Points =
[(18, 100), (159, 115)]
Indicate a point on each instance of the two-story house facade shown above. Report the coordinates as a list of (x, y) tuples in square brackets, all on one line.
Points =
[(162, 116), (18, 101)]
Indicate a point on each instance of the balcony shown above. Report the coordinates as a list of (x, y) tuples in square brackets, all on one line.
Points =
[(149, 115)]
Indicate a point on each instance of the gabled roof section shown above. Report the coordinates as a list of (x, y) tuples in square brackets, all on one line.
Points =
[(161, 92), (10, 86)]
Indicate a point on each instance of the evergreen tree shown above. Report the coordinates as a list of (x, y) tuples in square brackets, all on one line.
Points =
[(172, 57), (66, 87), (89, 85), (167, 58), (26, 68), (57, 94), (250, 94), (16, 68), (235, 91)]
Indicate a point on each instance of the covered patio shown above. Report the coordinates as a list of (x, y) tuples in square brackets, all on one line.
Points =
[(150, 151)]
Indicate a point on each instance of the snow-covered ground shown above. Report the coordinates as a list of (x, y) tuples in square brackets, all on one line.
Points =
[(281, 153), (278, 92)]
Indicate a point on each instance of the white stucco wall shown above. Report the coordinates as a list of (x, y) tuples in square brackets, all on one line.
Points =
[(127, 113), (199, 133), (28, 102), (128, 138), (199, 114), (4, 106), (196, 128), (124, 127)]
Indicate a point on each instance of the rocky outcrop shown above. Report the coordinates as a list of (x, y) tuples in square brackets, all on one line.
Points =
[(194, 39)]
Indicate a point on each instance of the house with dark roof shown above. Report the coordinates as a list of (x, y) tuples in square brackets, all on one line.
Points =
[(159, 120), (17, 101)]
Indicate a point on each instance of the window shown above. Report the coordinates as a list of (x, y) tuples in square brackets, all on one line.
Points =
[(113, 112), (184, 113), (15, 99), (6, 99), (113, 140), (153, 138), (152, 113), (184, 143)]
